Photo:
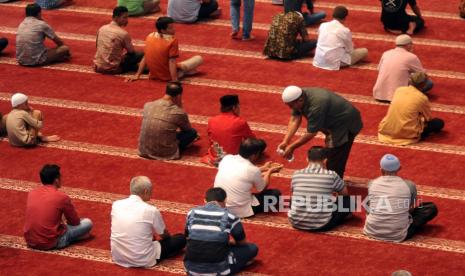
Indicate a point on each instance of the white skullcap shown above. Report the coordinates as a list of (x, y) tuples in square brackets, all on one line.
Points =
[(403, 39), (17, 99), (390, 163), (291, 93)]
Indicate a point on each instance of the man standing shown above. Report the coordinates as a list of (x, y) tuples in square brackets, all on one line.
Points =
[(408, 119), (189, 11), (161, 52), (393, 214), (23, 124), (46, 206), (112, 41), (140, 7), (282, 39), (209, 251), (159, 136), (238, 176), (395, 68), (135, 223), (30, 48), (396, 20), (312, 192), (334, 48), (247, 19), (227, 130), (327, 112)]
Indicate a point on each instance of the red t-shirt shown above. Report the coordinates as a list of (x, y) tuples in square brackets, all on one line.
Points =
[(44, 210), (228, 130)]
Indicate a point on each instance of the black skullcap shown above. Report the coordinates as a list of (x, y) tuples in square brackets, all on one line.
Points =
[(229, 100)]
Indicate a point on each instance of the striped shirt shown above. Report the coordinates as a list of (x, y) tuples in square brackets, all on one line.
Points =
[(207, 229), (312, 200)]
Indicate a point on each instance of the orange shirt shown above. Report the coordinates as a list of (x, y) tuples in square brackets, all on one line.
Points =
[(158, 51)]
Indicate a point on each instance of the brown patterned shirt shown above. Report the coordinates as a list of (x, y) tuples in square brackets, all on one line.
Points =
[(161, 120), (282, 37)]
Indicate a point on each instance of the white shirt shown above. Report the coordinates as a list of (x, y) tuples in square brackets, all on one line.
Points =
[(237, 176), (334, 46), (133, 223)]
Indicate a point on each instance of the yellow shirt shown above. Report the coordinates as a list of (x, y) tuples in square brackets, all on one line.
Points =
[(406, 117)]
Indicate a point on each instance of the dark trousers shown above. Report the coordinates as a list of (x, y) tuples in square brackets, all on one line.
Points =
[(185, 138), (338, 156), (419, 21), (242, 254), (3, 43), (130, 62), (172, 245), (421, 215), (338, 216), (305, 47), (266, 196), (207, 8), (433, 126)]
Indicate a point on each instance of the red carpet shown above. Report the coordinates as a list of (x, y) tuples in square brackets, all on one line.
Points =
[(98, 118)]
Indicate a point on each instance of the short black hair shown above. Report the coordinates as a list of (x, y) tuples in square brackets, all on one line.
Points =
[(228, 102), (215, 194), (317, 153), (49, 173), (174, 89), (340, 12), (251, 146), (33, 10), (163, 22), (119, 10)]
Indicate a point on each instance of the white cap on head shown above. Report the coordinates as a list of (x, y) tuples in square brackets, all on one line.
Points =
[(390, 163), (403, 40), (17, 99), (291, 93)]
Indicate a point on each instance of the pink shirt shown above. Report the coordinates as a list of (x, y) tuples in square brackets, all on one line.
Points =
[(394, 71)]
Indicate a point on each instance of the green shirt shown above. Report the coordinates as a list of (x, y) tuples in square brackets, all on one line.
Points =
[(134, 6), (331, 114)]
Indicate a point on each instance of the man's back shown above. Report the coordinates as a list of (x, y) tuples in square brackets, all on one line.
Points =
[(158, 50), (334, 46), (133, 225), (111, 42), (282, 37), (184, 10), (30, 48), (18, 124), (389, 198), (44, 213), (312, 190), (394, 71), (161, 119)]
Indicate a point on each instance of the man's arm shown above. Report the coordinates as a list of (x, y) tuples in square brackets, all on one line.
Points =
[(33, 122), (139, 71), (70, 214), (266, 175), (292, 128), (173, 69), (416, 10), (298, 143), (58, 41)]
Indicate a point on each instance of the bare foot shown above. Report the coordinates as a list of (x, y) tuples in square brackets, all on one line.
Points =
[(51, 138)]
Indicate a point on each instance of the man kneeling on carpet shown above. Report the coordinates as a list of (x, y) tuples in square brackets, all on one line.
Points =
[(134, 225), (393, 213), (23, 124), (209, 251), (166, 131), (46, 206), (238, 176), (161, 52)]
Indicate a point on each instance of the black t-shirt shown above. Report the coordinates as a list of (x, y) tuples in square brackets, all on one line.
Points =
[(393, 14)]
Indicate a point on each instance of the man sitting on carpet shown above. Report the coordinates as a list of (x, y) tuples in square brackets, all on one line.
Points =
[(134, 225), (140, 7), (408, 119), (335, 48), (282, 42), (226, 131), (52, 4), (112, 40), (30, 47), (238, 176), (393, 214), (161, 52), (3, 43), (395, 68), (396, 20), (312, 192), (209, 251), (23, 124), (189, 11), (159, 136), (45, 209)]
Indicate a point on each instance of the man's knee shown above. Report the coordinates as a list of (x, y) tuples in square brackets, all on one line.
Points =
[(37, 114), (63, 50), (87, 223), (253, 250)]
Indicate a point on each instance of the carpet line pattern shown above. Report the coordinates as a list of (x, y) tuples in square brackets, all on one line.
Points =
[(262, 220)]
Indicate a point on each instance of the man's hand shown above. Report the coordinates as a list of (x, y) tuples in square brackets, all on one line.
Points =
[(282, 146), (288, 152), (275, 167)]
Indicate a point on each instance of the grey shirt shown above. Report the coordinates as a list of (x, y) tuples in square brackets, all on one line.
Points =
[(388, 216), (186, 11), (331, 114)]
